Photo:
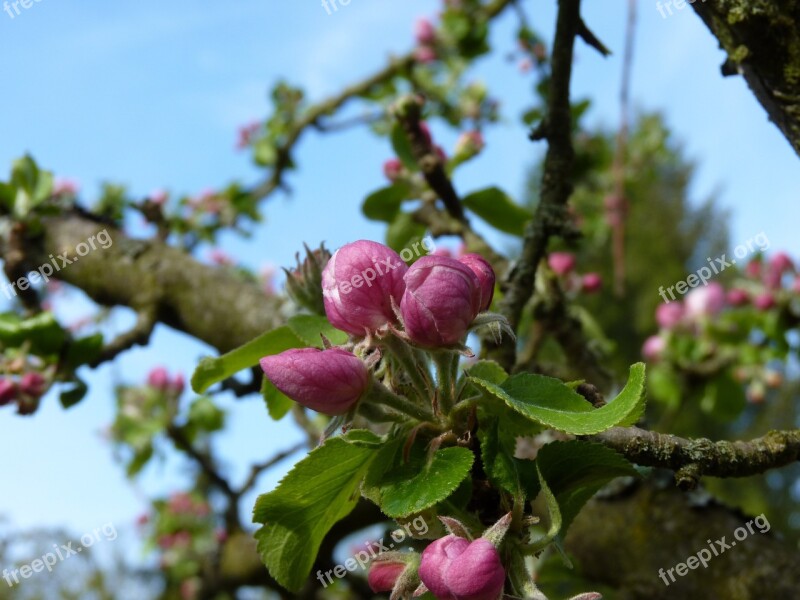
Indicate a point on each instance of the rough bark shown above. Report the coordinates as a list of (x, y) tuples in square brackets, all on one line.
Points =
[(208, 303), (623, 542), (762, 39)]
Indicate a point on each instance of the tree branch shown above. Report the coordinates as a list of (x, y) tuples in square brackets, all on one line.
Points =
[(762, 39), (550, 217), (691, 459)]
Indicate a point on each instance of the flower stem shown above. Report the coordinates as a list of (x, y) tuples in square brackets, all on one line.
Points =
[(446, 370), (380, 394), (404, 355)]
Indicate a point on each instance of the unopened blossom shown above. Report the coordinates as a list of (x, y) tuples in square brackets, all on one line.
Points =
[(591, 283), (562, 263), (669, 315), (440, 301), (705, 301), (384, 574), (392, 169), (328, 381), (453, 568), (360, 285), (8, 391), (32, 384), (653, 348), (486, 277)]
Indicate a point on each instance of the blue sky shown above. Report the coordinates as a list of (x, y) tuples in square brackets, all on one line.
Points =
[(150, 94)]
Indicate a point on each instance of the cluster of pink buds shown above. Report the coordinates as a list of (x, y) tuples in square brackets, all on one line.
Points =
[(425, 36), (369, 292), (159, 379), (66, 188), (25, 392), (563, 265)]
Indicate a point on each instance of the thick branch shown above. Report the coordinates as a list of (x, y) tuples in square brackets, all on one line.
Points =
[(691, 459), (208, 303), (762, 39)]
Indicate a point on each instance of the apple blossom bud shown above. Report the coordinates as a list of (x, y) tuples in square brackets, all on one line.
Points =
[(705, 301), (327, 381), (591, 283), (669, 315), (562, 263), (360, 283), (781, 262), (764, 302), (32, 384), (392, 169), (753, 268), (653, 348), (158, 378), (453, 568), (425, 54), (486, 277), (384, 574), (8, 391), (440, 302), (424, 32), (177, 384), (738, 297), (469, 144)]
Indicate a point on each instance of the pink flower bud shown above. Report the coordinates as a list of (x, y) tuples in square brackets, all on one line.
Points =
[(440, 302), (753, 269), (486, 278), (705, 301), (738, 297), (32, 384), (392, 169), (562, 263), (383, 575), (781, 262), (65, 187), (452, 568), (425, 54), (669, 315), (327, 381), (653, 348), (359, 284), (8, 391), (424, 32), (177, 385), (469, 144), (591, 283), (764, 302), (158, 379)]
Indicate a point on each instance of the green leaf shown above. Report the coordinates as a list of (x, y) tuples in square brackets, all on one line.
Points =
[(84, 350), (516, 476), (402, 488), (310, 328), (70, 397), (403, 232), (402, 148), (488, 370), (206, 416), (495, 207), (550, 402), (42, 331), (570, 473), (213, 370), (384, 204), (278, 404), (33, 186), (318, 492)]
